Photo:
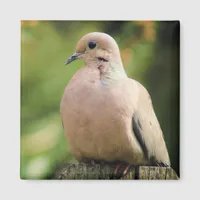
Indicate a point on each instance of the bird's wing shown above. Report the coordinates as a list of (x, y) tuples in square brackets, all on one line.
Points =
[(147, 130)]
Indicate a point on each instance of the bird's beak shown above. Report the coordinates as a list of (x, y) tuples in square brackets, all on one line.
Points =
[(75, 56)]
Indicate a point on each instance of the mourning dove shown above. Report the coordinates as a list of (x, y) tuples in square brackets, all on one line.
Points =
[(106, 115)]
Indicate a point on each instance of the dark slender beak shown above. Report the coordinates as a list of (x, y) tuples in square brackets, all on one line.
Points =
[(75, 56)]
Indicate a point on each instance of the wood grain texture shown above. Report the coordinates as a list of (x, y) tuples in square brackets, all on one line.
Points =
[(82, 171)]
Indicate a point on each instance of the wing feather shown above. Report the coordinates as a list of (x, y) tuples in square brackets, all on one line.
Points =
[(147, 130)]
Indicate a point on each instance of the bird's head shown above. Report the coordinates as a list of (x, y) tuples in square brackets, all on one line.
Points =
[(95, 48), (99, 50)]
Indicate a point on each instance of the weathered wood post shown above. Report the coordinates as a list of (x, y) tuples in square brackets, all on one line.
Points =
[(103, 171)]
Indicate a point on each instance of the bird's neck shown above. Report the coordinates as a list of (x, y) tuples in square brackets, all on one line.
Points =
[(114, 73)]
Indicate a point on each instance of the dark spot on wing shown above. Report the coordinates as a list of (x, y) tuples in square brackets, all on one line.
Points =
[(139, 125), (137, 131)]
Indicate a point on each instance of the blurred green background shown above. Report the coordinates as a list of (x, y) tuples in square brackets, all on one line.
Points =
[(150, 53)]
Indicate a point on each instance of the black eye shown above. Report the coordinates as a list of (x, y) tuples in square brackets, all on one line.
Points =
[(92, 45)]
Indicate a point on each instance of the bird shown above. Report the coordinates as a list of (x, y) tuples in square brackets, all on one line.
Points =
[(106, 115)]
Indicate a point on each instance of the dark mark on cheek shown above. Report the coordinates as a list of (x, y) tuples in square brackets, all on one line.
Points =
[(102, 59)]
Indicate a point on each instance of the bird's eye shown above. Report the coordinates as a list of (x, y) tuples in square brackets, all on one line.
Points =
[(92, 45)]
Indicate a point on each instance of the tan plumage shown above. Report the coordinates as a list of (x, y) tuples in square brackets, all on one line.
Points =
[(106, 115)]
